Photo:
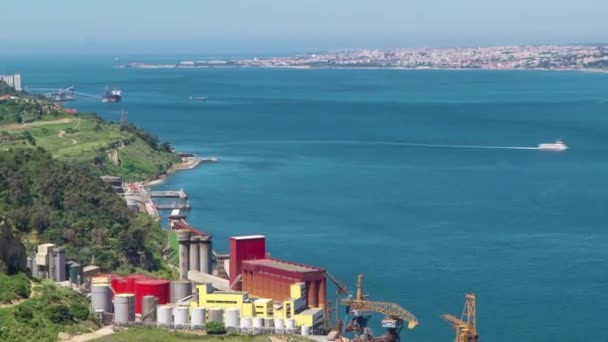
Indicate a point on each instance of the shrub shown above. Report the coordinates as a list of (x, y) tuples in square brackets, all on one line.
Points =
[(215, 327), (81, 311), (60, 314)]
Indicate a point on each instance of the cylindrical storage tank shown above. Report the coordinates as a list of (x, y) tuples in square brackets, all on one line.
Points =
[(102, 280), (180, 289), (268, 323), (290, 326), (306, 330), (232, 319), (194, 255), (101, 297), (279, 326), (246, 324), (76, 276), (197, 317), (215, 315), (258, 324), (164, 315), (60, 264), (124, 308), (160, 289), (180, 315), (131, 280), (148, 308)]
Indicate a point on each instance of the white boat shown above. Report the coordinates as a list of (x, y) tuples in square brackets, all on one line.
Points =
[(556, 146)]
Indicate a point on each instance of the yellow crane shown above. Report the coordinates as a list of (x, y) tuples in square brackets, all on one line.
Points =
[(466, 325), (395, 314)]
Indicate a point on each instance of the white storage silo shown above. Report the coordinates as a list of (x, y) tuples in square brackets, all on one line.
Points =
[(245, 324), (258, 325), (101, 298), (290, 326), (279, 326), (232, 319), (197, 315), (164, 316), (180, 315)]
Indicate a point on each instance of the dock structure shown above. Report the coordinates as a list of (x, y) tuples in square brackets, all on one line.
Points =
[(181, 194), (181, 206)]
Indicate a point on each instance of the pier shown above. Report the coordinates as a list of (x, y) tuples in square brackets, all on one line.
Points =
[(181, 194), (183, 206)]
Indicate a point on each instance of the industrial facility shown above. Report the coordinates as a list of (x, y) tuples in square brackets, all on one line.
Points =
[(247, 290)]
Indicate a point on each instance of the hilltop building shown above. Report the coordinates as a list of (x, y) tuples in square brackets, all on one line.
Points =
[(12, 80)]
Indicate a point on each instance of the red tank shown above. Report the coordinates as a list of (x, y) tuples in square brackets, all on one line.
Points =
[(131, 280), (160, 289)]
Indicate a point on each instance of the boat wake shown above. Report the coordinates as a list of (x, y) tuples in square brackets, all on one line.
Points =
[(381, 143)]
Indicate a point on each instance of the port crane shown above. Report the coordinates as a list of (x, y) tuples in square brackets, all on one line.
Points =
[(361, 308), (466, 325)]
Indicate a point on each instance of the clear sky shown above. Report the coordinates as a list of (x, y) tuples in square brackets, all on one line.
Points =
[(232, 26)]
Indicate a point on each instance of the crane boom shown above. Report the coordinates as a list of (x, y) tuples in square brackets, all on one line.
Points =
[(342, 289), (389, 309)]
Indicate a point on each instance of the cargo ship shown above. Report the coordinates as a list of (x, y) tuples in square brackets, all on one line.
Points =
[(112, 95)]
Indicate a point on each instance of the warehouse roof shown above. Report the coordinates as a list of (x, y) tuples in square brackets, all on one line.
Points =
[(283, 265)]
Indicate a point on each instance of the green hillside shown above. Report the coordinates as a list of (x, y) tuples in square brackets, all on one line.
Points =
[(121, 150)]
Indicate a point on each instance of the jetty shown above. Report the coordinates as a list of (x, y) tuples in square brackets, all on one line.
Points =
[(181, 206), (181, 194)]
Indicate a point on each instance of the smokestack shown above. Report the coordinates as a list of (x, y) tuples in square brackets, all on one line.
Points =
[(183, 237)]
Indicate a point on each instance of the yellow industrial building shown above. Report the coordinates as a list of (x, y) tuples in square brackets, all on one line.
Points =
[(291, 308)]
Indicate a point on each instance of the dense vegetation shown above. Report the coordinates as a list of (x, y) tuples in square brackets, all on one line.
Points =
[(141, 334), (49, 311), (48, 200), (14, 287)]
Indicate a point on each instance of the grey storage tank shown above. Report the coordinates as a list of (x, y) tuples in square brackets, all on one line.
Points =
[(59, 264), (194, 253), (205, 254), (124, 308), (180, 289), (215, 315), (148, 308), (183, 238), (101, 298)]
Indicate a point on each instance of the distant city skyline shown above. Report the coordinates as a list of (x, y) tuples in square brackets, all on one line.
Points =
[(246, 26)]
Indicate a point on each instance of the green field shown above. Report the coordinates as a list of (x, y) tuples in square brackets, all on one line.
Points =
[(85, 137)]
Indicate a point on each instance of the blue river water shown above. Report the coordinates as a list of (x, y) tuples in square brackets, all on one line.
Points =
[(324, 163)]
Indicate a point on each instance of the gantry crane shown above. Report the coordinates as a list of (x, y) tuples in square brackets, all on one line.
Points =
[(466, 325), (361, 307)]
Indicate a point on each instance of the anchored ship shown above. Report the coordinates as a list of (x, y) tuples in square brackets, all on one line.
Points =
[(112, 95), (556, 146)]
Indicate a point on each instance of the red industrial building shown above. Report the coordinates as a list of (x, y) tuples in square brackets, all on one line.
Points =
[(251, 247), (271, 278)]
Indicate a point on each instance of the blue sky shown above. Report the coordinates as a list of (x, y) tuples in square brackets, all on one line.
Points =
[(230, 26)]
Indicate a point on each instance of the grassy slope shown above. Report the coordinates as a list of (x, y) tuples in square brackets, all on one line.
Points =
[(137, 160), (159, 335)]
